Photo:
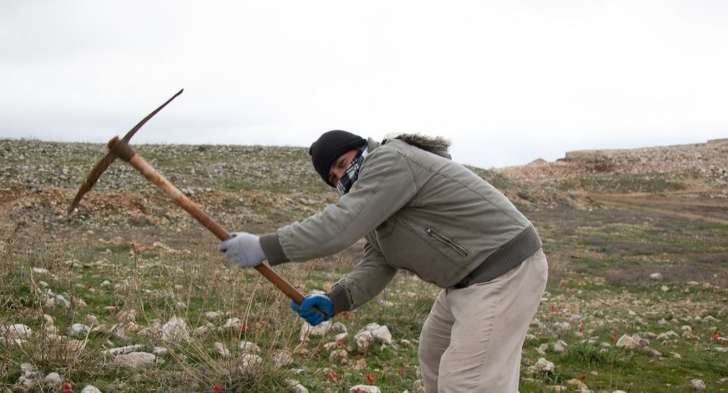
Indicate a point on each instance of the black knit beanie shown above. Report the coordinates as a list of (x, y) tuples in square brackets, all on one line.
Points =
[(330, 146)]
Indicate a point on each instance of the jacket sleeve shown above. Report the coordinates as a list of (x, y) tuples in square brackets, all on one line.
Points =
[(385, 184), (365, 281)]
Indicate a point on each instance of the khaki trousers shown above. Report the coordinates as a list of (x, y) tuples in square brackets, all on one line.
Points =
[(473, 338)]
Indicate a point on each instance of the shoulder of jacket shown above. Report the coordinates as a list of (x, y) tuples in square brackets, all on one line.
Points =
[(386, 152)]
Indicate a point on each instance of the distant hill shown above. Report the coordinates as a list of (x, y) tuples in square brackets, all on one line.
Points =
[(263, 185)]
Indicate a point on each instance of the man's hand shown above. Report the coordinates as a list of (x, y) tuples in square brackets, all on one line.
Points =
[(314, 309), (243, 249)]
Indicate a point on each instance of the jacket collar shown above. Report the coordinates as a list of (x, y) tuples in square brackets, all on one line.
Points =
[(372, 145)]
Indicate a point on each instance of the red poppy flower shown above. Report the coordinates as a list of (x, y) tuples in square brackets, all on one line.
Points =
[(340, 342), (244, 328), (217, 388), (67, 388), (370, 378), (331, 375)]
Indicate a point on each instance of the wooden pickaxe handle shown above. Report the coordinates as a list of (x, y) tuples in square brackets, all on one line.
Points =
[(126, 153)]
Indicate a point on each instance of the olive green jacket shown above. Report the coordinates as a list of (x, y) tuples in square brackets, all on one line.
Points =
[(418, 211)]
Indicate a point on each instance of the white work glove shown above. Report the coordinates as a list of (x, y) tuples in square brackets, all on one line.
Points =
[(243, 249)]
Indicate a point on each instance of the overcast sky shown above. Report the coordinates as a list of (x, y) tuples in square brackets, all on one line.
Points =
[(506, 81)]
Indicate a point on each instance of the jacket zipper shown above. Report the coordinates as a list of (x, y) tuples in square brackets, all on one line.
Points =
[(446, 241)]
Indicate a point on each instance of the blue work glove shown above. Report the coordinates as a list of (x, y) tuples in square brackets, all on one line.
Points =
[(314, 309), (243, 249)]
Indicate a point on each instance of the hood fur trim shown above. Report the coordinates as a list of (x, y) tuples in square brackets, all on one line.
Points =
[(437, 145)]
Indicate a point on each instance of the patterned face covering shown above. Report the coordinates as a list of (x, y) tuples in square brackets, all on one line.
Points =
[(351, 173)]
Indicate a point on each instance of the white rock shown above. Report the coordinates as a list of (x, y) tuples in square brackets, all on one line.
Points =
[(382, 334), (48, 320), (53, 379), (667, 335), (27, 368), (78, 330), (542, 366), (295, 386), (17, 331), (338, 327), (105, 284), (175, 330), (62, 301), (282, 358), (664, 288), (213, 315), (123, 350), (406, 342), (249, 363), (221, 350), (135, 359), (40, 270), (363, 340), (90, 389), (642, 342), (314, 331), (562, 327), (627, 341), (542, 349), (711, 319), (27, 383), (364, 389), (201, 331), (656, 276), (697, 384), (559, 346), (249, 347), (233, 324), (160, 351), (339, 356), (92, 319)]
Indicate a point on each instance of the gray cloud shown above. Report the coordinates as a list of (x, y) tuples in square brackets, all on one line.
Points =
[(508, 82)]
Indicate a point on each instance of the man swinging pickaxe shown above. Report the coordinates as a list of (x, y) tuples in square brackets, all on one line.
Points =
[(120, 148)]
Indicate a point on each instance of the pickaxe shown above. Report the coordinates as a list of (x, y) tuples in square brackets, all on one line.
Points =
[(120, 148)]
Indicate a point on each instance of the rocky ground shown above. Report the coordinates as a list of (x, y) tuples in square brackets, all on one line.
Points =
[(129, 294)]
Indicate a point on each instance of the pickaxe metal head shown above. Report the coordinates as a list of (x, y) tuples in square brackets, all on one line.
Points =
[(109, 158)]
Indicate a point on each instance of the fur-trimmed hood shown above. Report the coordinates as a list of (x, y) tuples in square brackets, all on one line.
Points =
[(437, 145)]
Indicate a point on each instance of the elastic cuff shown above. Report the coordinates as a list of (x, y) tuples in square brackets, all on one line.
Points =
[(273, 250), (340, 298)]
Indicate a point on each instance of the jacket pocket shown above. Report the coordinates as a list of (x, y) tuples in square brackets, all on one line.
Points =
[(452, 244)]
